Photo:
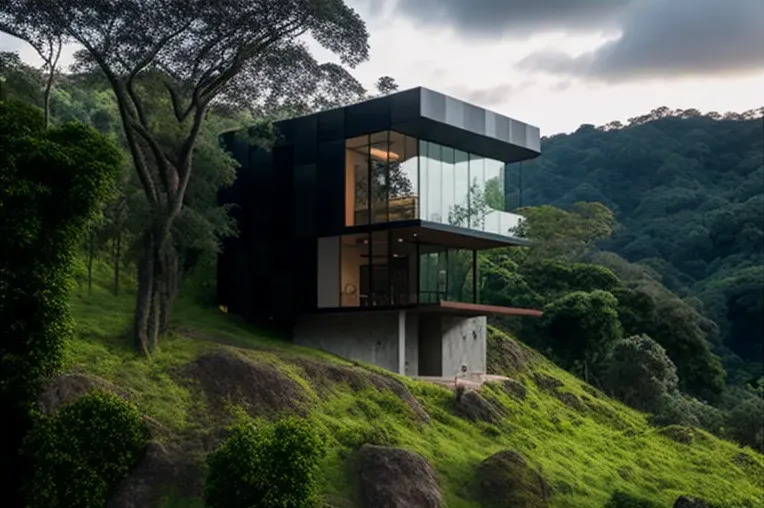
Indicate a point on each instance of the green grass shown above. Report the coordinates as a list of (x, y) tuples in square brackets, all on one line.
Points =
[(585, 456)]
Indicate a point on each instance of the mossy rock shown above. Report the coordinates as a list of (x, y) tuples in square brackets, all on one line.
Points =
[(473, 406), (506, 480), (679, 434), (547, 382), (690, 502)]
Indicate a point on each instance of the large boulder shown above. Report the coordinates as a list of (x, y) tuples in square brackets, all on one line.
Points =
[(506, 480), (395, 478), (473, 406), (689, 502)]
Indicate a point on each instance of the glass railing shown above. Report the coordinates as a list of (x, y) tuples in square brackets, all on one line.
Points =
[(502, 223)]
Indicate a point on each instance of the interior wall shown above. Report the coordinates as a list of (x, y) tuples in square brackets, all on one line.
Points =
[(430, 349), (328, 272), (352, 259)]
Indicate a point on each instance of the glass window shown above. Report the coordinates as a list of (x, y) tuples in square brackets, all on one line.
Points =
[(493, 194), (402, 178), (447, 171), (403, 269), (354, 255), (459, 213), (476, 194), (379, 270), (433, 189), (460, 276), (357, 181), (379, 159)]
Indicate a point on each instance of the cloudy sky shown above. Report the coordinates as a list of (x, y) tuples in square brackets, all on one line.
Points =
[(560, 63)]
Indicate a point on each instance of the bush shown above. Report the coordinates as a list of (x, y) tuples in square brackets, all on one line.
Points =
[(623, 500), (641, 374), (745, 423), (268, 465), (679, 409), (78, 455)]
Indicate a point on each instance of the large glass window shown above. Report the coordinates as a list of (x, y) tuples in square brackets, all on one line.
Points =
[(392, 177), (354, 256)]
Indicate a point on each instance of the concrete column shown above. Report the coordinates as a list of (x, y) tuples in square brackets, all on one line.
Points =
[(402, 342)]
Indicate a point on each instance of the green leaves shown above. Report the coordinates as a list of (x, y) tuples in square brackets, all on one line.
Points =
[(266, 466), (78, 455)]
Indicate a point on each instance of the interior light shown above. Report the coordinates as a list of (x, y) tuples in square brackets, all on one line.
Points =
[(400, 240), (415, 235), (384, 155)]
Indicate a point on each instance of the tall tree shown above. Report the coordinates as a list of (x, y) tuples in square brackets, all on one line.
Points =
[(203, 51)]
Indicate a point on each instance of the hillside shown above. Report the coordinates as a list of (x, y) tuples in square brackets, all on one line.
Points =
[(213, 369), (687, 190)]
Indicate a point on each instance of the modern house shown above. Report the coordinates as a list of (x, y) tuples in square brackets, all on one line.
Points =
[(359, 229)]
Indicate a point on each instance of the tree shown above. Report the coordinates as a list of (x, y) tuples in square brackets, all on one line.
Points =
[(386, 85), (581, 328), (200, 52), (641, 374), (566, 233), (52, 184)]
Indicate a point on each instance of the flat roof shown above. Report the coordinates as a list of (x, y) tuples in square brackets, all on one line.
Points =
[(432, 116)]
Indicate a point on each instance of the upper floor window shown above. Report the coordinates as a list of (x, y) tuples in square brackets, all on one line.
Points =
[(393, 177)]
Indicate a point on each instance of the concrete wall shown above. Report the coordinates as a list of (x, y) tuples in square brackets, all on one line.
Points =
[(370, 337), (464, 343), (329, 272)]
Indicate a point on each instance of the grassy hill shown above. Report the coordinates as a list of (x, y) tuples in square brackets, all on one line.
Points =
[(213, 369)]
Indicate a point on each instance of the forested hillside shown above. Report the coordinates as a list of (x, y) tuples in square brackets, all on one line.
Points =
[(687, 190)]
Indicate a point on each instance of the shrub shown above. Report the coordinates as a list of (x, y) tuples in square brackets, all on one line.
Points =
[(679, 409), (744, 423), (624, 500), (641, 374), (267, 465), (78, 455)]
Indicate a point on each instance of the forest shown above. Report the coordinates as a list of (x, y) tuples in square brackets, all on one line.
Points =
[(647, 263), (687, 190)]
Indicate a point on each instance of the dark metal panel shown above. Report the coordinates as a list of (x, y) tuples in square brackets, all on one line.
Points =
[(405, 106), (367, 117), (305, 139), (331, 125), (304, 201), (330, 188)]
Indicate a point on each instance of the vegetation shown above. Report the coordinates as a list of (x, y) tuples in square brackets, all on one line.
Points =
[(269, 465), (52, 183), (686, 190), (80, 454)]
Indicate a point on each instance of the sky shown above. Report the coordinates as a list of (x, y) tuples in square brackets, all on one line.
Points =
[(558, 64)]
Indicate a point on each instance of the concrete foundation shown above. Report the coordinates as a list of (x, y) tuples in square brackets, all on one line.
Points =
[(406, 342)]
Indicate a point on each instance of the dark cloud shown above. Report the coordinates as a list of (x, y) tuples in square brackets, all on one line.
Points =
[(658, 38), (488, 96), (497, 18), (669, 38)]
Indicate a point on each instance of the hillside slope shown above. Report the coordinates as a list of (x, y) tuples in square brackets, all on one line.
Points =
[(213, 369)]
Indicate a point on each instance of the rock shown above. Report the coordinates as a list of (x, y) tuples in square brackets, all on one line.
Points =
[(65, 388), (227, 377), (571, 400), (514, 389), (163, 469), (505, 480), (325, 376), (473, 406), (678, 434), (546, 382), (688, 502), (396, 478), (506, 356)]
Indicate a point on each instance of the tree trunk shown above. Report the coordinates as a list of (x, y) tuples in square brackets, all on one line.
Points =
[(170, 285), (91, 253), (147, 299), (117, 259)]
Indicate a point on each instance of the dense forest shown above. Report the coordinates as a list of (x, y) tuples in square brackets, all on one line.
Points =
[(687, 190)]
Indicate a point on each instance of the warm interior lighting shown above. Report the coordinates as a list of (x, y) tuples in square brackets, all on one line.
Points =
[(400, 240), (383, 155)]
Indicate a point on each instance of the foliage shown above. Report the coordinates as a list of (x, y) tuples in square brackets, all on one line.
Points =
[(744, 423), (80, 454), (679, 409), (52, 183), (621, 499), (268, 465), (582, 327), (566, 233), (687, 192), (640, 373)]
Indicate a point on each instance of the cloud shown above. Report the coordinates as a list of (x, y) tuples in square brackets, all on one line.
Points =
[(488, 96), (670, 38), (520, 18), (658, 38)]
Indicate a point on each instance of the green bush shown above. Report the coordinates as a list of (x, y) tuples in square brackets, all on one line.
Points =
[(623, 500), (78, 455), (640, 373), (267, 466), (679, 409), (744, 423)]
